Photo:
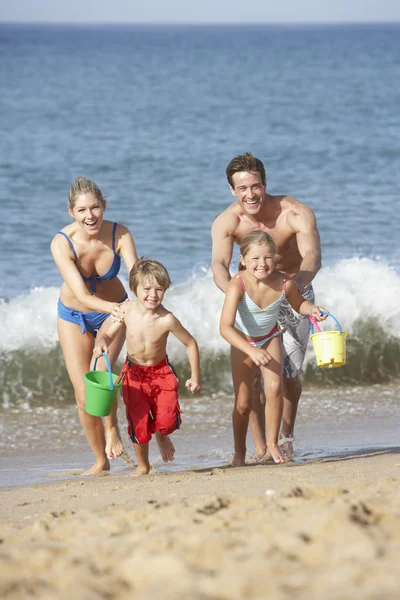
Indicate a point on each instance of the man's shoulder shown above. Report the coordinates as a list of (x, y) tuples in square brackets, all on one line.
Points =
[(229, 219)]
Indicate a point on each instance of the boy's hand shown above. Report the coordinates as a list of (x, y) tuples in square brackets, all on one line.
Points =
[(99, 348), (193, 385), (260, 357)]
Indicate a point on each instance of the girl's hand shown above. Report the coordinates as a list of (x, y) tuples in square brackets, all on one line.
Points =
[(260, 357), (99, 348), (316, 312), (193, 385)]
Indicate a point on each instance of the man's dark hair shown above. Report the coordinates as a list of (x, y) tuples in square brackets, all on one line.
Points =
[(245, 162)]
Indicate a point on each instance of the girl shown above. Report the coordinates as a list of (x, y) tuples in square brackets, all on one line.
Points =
[(249, 323), (88, 254)]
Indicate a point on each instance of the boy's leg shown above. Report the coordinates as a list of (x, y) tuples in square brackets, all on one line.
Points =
[(166, 412), (142, 457), (242, 376), (272, 375)]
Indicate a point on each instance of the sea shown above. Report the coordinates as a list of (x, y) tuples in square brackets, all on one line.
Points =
[(153, 114)]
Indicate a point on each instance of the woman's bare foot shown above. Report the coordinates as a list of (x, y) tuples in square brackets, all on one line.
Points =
[(165, 446), (276, 454), (140, 471), (114, 447), (98, 468)]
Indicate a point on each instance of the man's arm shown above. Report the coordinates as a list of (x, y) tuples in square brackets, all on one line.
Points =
[(222, 250), (304, 223)]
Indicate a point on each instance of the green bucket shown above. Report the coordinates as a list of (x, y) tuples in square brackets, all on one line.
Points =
[(101, 389)]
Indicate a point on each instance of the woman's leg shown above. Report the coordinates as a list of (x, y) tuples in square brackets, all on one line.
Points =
[(242, 377), (272, 375), (114, 447), (77, 349)]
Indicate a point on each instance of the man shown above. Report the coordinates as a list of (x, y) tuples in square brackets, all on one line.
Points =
[(294, 230)]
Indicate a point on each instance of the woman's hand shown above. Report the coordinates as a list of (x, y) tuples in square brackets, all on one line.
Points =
[(118, 312)]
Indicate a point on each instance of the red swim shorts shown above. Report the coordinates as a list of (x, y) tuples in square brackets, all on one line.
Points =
[(151, 399)]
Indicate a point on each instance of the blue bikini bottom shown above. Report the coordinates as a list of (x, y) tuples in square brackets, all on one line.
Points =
[(89, 321)]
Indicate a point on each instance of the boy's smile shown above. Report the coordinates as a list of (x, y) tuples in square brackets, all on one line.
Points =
[(150, 294)]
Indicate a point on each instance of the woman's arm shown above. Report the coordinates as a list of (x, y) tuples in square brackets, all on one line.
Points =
[(126, 247), (65, 261)]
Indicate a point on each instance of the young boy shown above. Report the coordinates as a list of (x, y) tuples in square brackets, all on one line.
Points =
[(150, 388)]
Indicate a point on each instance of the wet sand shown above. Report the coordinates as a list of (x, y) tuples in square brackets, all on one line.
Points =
[(328, 528)]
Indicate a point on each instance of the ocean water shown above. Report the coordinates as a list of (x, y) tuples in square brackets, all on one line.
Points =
[(154, 114)]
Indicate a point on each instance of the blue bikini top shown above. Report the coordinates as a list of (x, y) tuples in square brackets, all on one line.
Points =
[(112, 271)]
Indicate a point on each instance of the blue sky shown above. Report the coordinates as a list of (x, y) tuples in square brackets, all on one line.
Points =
[(200, 11)]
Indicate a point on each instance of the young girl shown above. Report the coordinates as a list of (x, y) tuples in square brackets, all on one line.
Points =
[(249, 323)]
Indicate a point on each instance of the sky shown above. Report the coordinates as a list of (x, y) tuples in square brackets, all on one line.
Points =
[(199, 11)]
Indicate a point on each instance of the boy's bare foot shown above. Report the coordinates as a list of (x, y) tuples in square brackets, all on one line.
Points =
[(114, 447), (97, 469), (165, 446), (140, 471), (238, 460), (276, 454)]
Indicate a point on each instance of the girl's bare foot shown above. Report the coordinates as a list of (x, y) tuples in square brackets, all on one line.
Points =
[(259, 452), (114, 447), (98, 468), (165, 446), (276, 454)]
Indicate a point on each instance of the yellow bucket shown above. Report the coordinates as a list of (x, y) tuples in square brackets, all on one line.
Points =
[(329, 346)]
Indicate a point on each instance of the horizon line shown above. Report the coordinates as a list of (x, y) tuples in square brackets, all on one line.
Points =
[(202, 23)]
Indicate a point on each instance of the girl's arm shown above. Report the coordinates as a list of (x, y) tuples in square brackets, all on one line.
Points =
[(303, 307), (65, 261), (192, 349)]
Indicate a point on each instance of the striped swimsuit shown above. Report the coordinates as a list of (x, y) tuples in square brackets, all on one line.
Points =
[(254, 321)]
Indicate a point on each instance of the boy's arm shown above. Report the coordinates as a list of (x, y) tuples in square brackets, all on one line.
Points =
[(104, 340), (192, 349), (303, 307)]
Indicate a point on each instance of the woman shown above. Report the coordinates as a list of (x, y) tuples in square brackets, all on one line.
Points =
[(88, 254)]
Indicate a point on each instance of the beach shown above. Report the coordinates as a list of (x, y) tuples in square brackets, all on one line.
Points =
[(325, 528)]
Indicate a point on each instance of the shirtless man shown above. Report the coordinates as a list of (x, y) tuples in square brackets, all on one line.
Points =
[(294, 230)]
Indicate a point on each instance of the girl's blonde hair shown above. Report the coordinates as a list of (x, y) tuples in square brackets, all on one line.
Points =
[(82, 185), (146, 268), (255, 238)]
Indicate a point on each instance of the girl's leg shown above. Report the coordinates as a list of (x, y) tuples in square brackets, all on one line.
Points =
[(142, 457), (77, 349), (114, 447), (272, 375), (242, 377)]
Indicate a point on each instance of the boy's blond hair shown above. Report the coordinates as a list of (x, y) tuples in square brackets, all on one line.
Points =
[(146, 268)]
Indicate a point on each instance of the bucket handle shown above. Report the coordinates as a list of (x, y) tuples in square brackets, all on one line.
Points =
[(314, 324), (108, 367)]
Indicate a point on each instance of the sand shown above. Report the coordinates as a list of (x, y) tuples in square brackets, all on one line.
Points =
[(326, 529)]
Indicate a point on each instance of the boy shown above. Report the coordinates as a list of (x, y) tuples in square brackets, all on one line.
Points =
[(150, 388)]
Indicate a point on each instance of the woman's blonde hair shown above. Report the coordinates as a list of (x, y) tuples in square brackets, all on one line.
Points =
[(145, 268), (255, 238), (82, 185)]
